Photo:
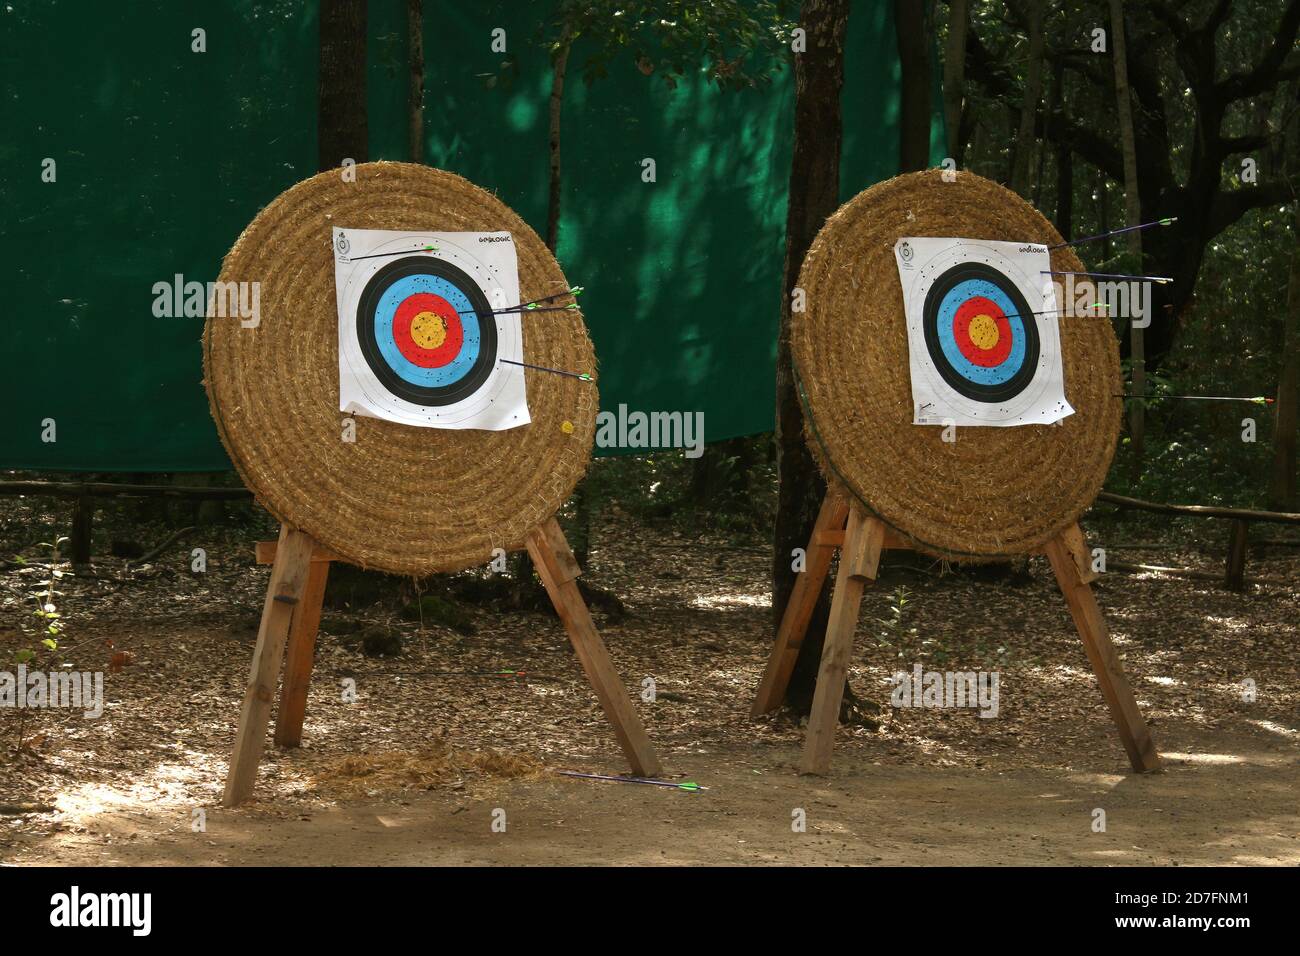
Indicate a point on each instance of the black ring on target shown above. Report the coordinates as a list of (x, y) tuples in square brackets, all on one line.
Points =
[(978, 391), (473, 378)]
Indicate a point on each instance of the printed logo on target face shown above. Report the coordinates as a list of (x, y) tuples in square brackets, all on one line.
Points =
[(77, 909)]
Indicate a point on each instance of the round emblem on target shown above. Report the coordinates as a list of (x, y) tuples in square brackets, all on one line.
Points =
[(426, 331), (980, 333)]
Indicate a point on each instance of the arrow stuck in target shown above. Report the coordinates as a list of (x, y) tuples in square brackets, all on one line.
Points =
[(1253, 399), (400, 252), (1110, 275), (542, 368)]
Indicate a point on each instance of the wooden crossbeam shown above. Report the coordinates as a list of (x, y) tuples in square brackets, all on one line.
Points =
[(265, 551), (893, 541)]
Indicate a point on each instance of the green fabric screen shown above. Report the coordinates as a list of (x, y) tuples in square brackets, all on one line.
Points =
[(163, 155)]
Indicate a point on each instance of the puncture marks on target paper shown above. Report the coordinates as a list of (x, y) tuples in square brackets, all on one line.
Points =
[(982, 332), (419, 341)]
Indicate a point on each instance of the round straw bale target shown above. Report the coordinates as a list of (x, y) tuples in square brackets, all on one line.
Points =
[(993, 491), (396, 497)]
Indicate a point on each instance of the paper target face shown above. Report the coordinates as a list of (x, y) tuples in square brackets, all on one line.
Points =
[(419, 342), (982, 332)]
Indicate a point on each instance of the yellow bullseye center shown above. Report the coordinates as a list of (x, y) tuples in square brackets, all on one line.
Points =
[(428, 330), (984, 331)]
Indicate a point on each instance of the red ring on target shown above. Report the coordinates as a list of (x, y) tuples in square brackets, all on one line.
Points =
[(976, 352), (404, 318)]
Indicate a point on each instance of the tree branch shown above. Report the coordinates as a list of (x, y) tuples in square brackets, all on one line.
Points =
[(1243, 144), (1279, 62), (1217, 18), (1098, 150), (1228, 207), (1278, 59), (1170, 18)]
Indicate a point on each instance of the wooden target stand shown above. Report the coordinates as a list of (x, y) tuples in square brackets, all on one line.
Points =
[(291, 617), (860, 538)]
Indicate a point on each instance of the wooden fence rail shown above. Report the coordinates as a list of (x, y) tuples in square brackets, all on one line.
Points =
[(109, 489), (82, 494), (1234, 574)]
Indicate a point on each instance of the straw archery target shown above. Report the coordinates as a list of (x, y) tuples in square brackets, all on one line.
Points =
[(982, 332), (427, 473), (419, 341), (897, 317)]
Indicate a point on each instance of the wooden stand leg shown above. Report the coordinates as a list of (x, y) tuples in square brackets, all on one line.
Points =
[(289, 577), (299, 659), (1105, 662), (559, 570), (859, 560), (799, 609)]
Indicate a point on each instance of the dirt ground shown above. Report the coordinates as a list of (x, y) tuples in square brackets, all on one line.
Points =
[(419, 768), (1207, 808)]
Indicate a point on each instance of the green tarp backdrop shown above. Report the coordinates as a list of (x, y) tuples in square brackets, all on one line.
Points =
[(162, 156)]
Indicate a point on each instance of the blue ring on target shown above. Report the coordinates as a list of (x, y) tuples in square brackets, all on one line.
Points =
[(962, 292), (946, 295), (417, 375)]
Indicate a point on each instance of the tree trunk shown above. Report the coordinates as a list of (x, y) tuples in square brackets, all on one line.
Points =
[(814, 195), (1011, 113), (720, 477), (1024, 164), (954, 73), (415, 36), (979, 148), (558, 69), (1282, 487), (580, 528), (1133, 215), (1039, 175), (1053, 106), (1064, 167), (83, 525), (1103, 213), (341, 94), (914, 86)]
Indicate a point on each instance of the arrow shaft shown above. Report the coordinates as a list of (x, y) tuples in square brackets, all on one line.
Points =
[(644, 780), (1114, 232), (543, 368), (1200, 398), (1109, 275), (381, 255)]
